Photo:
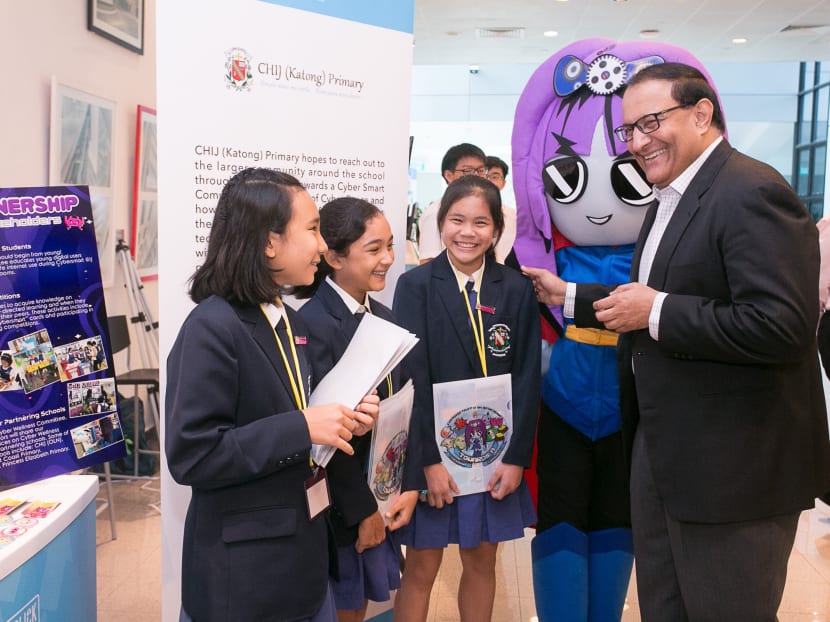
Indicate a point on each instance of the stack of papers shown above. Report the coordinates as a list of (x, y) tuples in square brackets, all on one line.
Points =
[(375, 350)]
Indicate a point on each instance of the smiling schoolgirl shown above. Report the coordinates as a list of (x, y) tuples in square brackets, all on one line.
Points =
[(494, 331), (238, 427), (360, 253)]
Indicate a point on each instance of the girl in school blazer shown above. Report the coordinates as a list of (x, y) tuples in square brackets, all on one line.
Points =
[(498, 332), (238, 429), (360, 244)]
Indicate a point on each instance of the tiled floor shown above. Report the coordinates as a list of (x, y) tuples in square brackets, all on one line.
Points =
[(129, 567), (129, 577)]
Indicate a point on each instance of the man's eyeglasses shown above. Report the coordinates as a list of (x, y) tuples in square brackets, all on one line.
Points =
[(647, 124), (468, 170), (495, 175)]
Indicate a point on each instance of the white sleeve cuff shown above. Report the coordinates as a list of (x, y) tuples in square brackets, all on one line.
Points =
[(570, 300), (654, 316)]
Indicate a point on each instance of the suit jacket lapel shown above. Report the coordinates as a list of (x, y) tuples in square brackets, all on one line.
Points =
[(648, 221), (446, 288), (684, 213), (263, 334)]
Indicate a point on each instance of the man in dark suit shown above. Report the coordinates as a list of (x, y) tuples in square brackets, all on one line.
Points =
[(720, 389)]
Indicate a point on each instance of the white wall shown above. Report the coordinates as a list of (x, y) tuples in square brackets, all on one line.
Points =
[(42, 38)]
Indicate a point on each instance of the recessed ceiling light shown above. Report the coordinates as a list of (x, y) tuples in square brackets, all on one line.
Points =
[(550, 33), (739, 40), (620, 1), (649, 33)]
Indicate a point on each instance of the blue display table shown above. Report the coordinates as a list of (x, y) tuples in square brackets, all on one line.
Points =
[(47, 563)]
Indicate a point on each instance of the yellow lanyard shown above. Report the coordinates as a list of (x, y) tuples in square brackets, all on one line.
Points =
[(296, 383), (478, 332)]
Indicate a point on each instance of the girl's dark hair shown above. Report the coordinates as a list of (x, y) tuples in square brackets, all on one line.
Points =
[(253, 203), (342, 222), (473, 185)]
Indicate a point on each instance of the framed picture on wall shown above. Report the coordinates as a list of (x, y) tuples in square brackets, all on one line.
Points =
[(121, 21), (81, 142), (144, 241)]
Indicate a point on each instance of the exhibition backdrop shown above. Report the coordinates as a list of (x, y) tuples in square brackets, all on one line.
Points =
[(316, 89)]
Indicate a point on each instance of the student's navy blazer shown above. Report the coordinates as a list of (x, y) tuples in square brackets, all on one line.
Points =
[(331, 326), (428, 303), (235, 436)]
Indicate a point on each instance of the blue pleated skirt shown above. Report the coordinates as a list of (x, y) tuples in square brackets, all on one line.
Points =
[(369, 575), (470, 520)]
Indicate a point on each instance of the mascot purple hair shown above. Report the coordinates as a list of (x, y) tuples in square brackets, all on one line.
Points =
[(581, 199)]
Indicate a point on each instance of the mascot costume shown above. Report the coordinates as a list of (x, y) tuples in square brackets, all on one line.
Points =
[(581, 199)]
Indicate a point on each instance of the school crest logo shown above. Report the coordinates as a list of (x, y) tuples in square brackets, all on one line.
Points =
[(498, 340), (389, 470), (474, 435), (238, 75)]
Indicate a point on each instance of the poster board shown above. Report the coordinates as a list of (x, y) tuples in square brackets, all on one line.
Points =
[(57, 387)]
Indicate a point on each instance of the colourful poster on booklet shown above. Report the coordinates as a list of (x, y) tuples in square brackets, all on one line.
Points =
[(473, 425), (58, 410)]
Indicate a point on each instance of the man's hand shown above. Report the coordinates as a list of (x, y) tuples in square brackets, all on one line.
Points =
[(549, 288), (627, 308)]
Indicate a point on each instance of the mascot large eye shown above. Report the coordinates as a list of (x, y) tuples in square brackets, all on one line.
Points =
[(629, 182), (565, 179)]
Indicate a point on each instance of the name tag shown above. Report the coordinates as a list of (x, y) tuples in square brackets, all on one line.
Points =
[(317, 493)]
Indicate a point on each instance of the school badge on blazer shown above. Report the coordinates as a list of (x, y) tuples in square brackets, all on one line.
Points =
[(498, 340)]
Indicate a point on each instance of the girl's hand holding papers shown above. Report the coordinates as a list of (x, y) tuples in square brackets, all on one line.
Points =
[(334, 424), (367, 413)]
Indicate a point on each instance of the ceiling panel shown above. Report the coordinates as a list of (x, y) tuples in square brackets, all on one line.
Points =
[(445, 30)]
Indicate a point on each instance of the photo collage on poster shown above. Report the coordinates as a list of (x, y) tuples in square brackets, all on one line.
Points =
[(32, 362), (96, 435), (80, 358)]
